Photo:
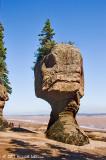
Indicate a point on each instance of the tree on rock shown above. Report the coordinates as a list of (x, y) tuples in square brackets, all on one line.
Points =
[(46, 42), (70, 42), (3, 66)]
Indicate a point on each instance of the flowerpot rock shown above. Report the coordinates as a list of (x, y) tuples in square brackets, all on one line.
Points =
[(59, 79)]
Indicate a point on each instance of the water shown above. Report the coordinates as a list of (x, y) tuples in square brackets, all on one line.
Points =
[(89, 121), (30, 121), (95, 128)]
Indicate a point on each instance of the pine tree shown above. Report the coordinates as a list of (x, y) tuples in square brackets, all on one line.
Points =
[(70, 42), (3, 66), (46, 42)]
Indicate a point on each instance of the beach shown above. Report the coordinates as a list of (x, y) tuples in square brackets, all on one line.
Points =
[(27, 140)]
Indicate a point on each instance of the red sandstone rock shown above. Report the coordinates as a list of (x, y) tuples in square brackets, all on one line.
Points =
[(3, 98), (59, 79)]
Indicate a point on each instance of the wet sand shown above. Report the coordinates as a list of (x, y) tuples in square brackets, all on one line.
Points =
[(29, 142), (96, 122), (90, 122)]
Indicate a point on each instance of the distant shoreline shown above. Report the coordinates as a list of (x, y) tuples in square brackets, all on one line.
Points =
[(97, 122), (48, 114)]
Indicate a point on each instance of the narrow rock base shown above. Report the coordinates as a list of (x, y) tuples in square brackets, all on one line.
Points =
[(66, 130), (3, 123)]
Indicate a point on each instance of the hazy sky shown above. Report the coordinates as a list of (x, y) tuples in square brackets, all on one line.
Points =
[(81, 21)]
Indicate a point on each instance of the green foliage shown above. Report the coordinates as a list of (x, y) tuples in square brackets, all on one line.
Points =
[(3, 66), (70, 42), (46, 42)]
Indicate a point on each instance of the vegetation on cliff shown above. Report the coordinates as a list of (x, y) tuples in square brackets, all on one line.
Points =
[(3, 66), (46, 42)]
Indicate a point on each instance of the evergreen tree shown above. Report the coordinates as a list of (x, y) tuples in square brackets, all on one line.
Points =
[(46, 42), (3, 66), (70, 42)]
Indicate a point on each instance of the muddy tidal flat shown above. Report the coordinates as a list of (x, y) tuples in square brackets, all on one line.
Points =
[(27, 140)]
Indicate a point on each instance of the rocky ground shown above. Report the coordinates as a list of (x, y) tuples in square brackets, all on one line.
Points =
[(30, 142)]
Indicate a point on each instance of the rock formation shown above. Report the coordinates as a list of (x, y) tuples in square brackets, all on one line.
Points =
[(59, 79), (3, 98)]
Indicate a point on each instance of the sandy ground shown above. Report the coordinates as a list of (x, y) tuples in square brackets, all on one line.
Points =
[(92, 121), (30, 142)]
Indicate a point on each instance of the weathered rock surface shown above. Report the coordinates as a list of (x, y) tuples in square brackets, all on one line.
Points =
[(3, 98), (59, 79)]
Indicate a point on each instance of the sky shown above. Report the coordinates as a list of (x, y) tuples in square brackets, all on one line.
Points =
[(81, 21)]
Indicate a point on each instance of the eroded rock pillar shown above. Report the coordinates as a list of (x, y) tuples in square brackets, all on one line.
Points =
[(3, 98), (59, 79)]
